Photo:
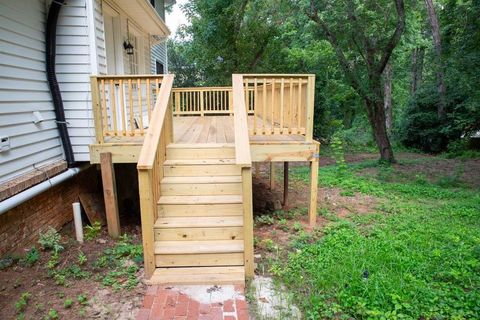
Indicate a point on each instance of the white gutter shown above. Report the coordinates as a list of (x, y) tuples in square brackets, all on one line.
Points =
[(28, 194)]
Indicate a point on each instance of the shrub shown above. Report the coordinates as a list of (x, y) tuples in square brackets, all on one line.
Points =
[(50, 240)]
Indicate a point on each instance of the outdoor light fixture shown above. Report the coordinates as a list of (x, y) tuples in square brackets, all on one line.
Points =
[(126, 44), (128, 47)]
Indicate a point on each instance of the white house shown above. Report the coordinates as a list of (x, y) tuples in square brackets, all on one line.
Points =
[(92, 37)]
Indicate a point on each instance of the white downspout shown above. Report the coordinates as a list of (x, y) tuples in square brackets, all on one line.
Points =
[(28, 194)]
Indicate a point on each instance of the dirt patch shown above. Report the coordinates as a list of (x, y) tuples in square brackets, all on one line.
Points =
[(89, 298)]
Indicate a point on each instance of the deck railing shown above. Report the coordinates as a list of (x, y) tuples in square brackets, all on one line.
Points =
[(243, 159), (281, 104), (150, 168), (123, 104)]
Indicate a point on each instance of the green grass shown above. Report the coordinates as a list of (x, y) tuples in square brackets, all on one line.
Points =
[(418, 257)]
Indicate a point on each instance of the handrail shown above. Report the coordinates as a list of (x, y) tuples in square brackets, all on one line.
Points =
[(146, 158), (242, 144)]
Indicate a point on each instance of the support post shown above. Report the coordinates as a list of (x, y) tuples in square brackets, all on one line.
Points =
[(285, 184), (110, 194), (147, 210), (312, 211), (248, 222), (272, 175)]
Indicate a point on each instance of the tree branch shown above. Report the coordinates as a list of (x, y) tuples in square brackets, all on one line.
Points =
[(395, 38)]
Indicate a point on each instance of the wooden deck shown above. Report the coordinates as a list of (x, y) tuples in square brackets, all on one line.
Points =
[(194, 151), (220, 129)]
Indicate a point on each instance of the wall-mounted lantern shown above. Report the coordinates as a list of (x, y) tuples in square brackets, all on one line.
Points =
[(128, 47)]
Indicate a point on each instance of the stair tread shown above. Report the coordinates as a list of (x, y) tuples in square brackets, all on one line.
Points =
[(198, 247), (199, 222), (199, 275), (200, 199), (204, 179), (181, 162)]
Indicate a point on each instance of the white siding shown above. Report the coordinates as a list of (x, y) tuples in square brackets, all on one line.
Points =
[(73, 72), (24, 89), (159, 52), (100, 38)]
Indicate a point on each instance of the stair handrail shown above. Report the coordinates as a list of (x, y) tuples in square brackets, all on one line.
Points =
[(150, 170), (244, 160), (152, 137), (242, 144)]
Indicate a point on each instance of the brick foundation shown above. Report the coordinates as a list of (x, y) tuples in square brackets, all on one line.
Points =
[(20, 226)]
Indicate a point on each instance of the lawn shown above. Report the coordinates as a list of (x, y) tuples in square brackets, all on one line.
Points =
[(413, 254)]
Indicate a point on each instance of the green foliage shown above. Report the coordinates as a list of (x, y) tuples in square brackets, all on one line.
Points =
[(22, 302), (338, 153), (67, 304), (82, 258), (91, 232), (283, 225), (31, 257), (52, 314), (264, 220), (50, 240), (82, 299), (419, 258)]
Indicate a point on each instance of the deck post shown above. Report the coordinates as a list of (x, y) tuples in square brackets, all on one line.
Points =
[(110, 194), (147, 210), (272, 175), (312, 210), (248, 221), (285, 184), (97, 114)]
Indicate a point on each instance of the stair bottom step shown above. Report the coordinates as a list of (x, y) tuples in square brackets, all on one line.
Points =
[(199, 275)]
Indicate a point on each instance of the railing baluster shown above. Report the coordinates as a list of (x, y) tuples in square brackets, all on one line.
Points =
[(273, 107), (282, 91), (104, 109), (113, 107), (291, 107), (149, 110), (264, 112), (140, 106), (122, 107), (130, 105), (299, 107), (255, 106)]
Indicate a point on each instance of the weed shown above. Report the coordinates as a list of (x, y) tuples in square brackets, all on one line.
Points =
[(31, 257), (22, 302), (283, 225), (50, 240), (338, 152), (67, 304), (298, 226), (91, 232), (268, 244), (82, 299), (264, 220), (52, 314), (82, 258), (54, 259)]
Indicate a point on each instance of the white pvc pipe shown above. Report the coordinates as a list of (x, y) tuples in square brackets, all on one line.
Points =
[(23, 196), (77, 219)]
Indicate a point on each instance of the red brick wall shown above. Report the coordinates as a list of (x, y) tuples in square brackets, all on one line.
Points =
[(20, 226)]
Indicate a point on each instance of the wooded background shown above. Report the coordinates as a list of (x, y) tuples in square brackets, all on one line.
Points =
[(401, 73)]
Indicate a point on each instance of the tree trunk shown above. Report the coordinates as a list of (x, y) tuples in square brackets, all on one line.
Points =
[(432, 16), (387, 92), (376, 117), (418, 55)]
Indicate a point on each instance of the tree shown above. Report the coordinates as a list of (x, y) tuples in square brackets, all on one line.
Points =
[(355, 32), (387, 84), (437, 44)]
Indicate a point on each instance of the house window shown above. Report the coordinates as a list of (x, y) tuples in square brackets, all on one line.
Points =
[(159, 67)]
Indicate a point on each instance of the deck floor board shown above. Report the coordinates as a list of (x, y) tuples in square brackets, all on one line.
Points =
[(220, 129)]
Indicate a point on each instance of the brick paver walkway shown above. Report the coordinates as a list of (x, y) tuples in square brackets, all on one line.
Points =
[(194, 302)]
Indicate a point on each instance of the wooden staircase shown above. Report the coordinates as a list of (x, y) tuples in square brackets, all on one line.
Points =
[(198, 234)]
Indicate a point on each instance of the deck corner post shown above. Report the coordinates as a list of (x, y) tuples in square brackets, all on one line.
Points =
[(248, 222), (110, 194), (97, 114), (312, 210)]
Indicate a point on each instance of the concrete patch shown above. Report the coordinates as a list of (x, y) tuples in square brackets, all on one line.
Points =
[(272, 301)]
